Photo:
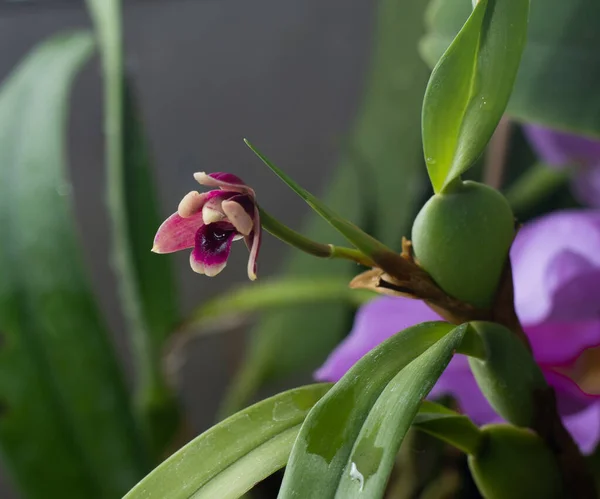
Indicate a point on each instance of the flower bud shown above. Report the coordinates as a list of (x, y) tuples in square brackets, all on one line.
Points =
[(515, 463), (462, 238)]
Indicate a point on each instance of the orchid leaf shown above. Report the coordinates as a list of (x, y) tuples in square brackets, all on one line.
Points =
[(377, 184), (66, 426), (507, 376), (229, 458), (449, 426), (349, 440), (145, 280), (275, 293), (363, 241), (470, 86), (560, 59)]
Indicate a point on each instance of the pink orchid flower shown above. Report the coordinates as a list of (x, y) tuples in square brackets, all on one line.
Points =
[(209, 222), (556, 265)]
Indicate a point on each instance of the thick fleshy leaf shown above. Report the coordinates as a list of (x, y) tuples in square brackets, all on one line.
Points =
[(374, 454), (470, 87), (146, 282), (66, 428), (449, 426), (508, 377), (228, 459), (328, 443), (276, 293), (385, 146), (560, 59)]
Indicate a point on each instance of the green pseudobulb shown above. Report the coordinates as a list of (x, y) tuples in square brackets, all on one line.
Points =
[(462, 238), (515, 463)]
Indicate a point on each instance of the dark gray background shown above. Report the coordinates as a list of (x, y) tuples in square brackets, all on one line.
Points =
[(286, 74)]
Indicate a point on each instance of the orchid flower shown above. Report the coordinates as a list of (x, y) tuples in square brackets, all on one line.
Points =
[(209, 222), (556, 267), (561, 149)]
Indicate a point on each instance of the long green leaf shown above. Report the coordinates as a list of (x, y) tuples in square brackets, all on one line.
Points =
[(227, 460), (470, 87), (320, 456), (376, 184), (449, 426), (66, 429), (369, 466), (145, 280), (276, 293), (560, 59)]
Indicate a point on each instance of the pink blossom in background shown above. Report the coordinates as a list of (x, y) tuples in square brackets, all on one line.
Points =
[(556, 265), (209, 223), (561, 149)]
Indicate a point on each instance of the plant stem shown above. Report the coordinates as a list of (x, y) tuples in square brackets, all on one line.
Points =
[(537, 183), (293, 238), (495, 158)]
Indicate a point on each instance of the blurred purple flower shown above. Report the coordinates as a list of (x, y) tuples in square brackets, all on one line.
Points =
[(210, 222), (556, 264), (561, 149)]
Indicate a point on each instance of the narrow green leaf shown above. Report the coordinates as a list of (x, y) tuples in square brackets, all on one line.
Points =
[(470, 87), (377, 184), (66, 429), (327, 438), (369, 466), (447, 425), (145, 280), (560, 58), (276, 293), (363, 241), (228, 459)]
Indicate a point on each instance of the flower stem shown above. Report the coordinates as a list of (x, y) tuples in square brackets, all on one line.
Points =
[(293, 238)]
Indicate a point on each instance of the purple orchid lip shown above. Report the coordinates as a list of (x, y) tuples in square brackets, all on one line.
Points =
[(212, 247), (210, 222)]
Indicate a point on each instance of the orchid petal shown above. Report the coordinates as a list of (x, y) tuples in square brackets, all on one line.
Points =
[(558, 343), (375, 322), (253, 244), (536, 246), (586, 184), (176, 233), (560, 148), (191, 204), (212, 247), (570, 397), (211, 215), (211, 209), (238, 216), (225, 181), (584, 427)]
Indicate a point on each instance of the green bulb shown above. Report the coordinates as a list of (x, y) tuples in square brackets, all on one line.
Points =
[(515, 463), (462, 238)]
